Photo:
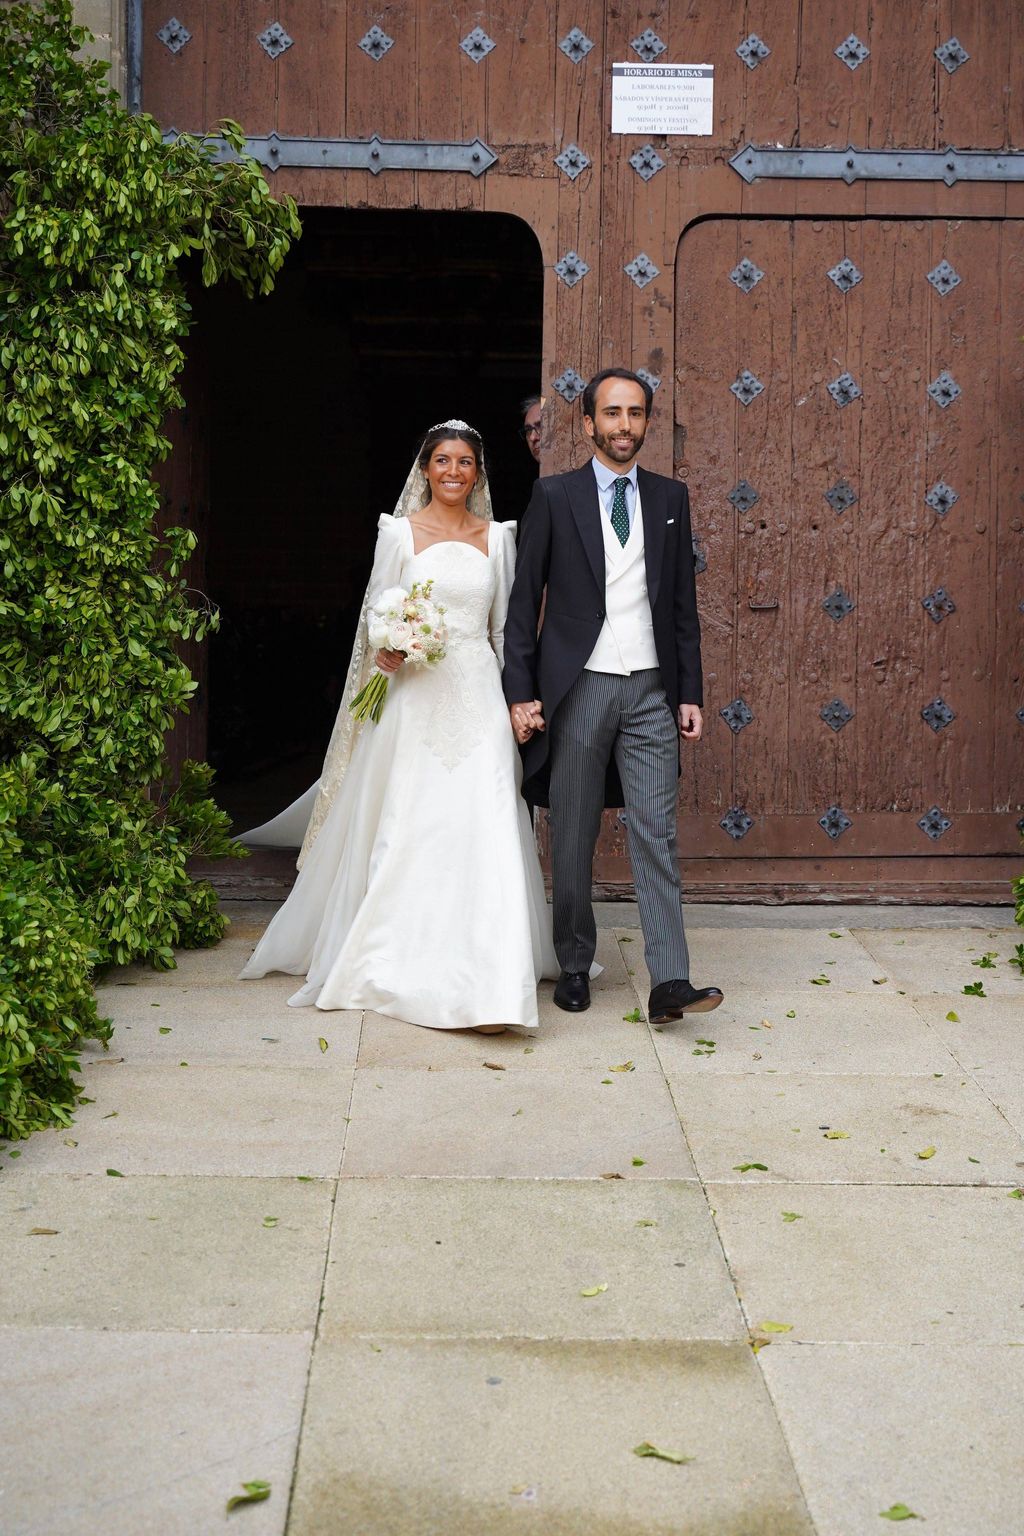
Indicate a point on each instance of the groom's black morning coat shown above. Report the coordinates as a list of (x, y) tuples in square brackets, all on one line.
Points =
[(561, 546)]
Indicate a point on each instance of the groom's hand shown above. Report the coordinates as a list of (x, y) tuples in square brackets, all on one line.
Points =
[(691, 722), (526, 718)]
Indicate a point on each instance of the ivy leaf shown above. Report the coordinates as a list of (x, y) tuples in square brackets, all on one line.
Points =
[(987, 962), (645, 1448), (255, 1493), (975, 989)]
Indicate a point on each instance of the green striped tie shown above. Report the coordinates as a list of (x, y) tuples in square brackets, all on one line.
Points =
[(620, 517)]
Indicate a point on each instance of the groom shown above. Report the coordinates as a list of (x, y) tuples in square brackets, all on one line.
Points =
[(600, 697)]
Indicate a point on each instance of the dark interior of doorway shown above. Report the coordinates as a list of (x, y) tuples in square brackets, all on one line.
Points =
[(381, 324)]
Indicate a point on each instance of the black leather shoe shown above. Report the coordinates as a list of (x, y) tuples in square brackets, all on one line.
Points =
[(572, 991), (671, 999)]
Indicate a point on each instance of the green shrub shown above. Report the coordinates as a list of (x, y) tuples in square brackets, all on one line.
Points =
[(96, 213)]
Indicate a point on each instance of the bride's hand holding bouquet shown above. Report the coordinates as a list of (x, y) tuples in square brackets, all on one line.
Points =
[(403, 626)]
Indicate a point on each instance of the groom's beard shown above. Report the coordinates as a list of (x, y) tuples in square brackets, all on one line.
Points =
[(620, 452)]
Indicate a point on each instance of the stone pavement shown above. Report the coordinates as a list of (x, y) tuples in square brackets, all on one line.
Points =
[(442, 1285)]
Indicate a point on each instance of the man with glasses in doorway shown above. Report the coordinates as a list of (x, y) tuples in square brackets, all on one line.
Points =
[(532, 410)]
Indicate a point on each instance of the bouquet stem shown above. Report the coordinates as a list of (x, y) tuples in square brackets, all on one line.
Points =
[(369, 701)]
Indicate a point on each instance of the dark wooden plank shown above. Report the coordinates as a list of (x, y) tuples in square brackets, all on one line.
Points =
[(381, 95), (174, 84), (311, 90), (1007, 520), (891, 519), (960, 549), (771, 91), (972, 103), (833, 98), (900, 87), (706, 435), (241, 80)]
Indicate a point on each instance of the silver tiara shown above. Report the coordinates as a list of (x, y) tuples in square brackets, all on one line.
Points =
[(457, 425)]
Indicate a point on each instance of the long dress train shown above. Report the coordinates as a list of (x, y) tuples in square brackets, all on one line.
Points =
[(422, 895)]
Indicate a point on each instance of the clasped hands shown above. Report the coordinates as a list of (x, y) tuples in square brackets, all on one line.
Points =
[(528, 718)]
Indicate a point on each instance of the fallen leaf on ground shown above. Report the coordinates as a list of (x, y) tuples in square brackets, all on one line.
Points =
[(837, 1136), (114, 1173), (528, 1050), (625, 1066), (70, 1142), (791, 1014), (821, 981), (625, 939), (954, 1018), (926, 1153), (645, 1448), (987, 961), (766, 1024), (646, 1222), (791, 1216), (594, 1290), (897, 1512), (1016, 1194), (770, 1327), (322, 1043), (606, 1080), (255, 1493), (516, 1112), (879, 981), (165, 1029), (758, 1344), (833, 935), (494, 1066), (639, 1162), (975, 989), (611, 1175), (634, 1017), (705, 1042), (270, 1221), (43, 1231), (746, 1167)]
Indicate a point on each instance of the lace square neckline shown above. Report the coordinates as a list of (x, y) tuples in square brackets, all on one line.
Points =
[(484, 554)]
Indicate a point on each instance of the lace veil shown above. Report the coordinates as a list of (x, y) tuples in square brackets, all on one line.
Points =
[(415, 495)]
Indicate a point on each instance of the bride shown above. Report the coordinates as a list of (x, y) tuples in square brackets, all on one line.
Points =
[(419, 892)]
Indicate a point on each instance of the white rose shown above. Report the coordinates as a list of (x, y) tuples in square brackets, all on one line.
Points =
[(377, 630), (392, 597), (399, 635)]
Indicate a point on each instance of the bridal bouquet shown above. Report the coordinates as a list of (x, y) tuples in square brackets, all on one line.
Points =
[(408, 622)]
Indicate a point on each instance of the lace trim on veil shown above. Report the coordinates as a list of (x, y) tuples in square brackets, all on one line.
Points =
[(415, 495)]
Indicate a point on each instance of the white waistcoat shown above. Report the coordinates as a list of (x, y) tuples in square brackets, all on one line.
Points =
[(626, 642)]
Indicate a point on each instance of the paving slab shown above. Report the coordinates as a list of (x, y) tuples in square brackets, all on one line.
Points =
[(987, 1034), (852, 1130), (591, 1040), (188, 1253), (1005, 1089), (146, 1434), (238, 1121), (842, 1033), (422, 1438), (938, 1429), (511, 1257), (233, 1024), (465, 1122), (886, 1265), (922, 960), (782, 960), (195, 967)]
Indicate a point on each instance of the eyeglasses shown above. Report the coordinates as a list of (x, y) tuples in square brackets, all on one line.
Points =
[(529, 431)]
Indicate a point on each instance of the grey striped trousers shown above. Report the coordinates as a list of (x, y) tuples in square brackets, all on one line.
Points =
[(602, 715)]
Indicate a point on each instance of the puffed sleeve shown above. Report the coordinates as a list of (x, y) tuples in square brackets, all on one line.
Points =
[(388, 557), (505, 570)]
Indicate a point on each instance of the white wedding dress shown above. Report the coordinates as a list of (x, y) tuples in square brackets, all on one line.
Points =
[(421, 896)]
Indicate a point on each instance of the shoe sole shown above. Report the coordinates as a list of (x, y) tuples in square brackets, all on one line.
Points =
[(705, 1005), (573, 1007)]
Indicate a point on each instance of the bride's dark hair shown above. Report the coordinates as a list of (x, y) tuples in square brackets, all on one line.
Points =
[(445, 434)]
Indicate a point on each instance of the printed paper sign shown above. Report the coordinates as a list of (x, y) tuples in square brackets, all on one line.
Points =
[(663, 98)]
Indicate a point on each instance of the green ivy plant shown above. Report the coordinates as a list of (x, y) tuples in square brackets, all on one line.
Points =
[(96, 215)]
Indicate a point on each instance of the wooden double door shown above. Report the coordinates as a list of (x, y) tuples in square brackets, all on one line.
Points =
[(848, 415)]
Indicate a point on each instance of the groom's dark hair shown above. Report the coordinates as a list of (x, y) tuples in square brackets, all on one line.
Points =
[(590, 393)]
